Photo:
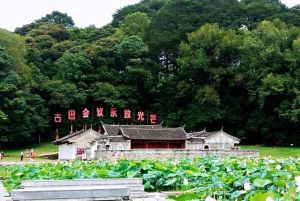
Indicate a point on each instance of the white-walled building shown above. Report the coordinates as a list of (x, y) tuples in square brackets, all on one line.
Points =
[(78, 145), (85, 143), (217, 140)]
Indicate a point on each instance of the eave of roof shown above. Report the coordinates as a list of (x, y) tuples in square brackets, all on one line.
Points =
[(65, 138)]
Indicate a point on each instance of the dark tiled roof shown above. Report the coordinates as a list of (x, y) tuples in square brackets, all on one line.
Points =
[(117, 139), (203, 135), (111, 129), (154, 134), (196, 134), (89, 135), (211, 134), (196, 139), (207, 134), (114, 129), (65, 138)]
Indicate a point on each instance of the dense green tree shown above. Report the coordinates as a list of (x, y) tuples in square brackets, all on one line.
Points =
[(15, 47), (23, 113), (150, 7), (206, 61), (255, 11), (74, 68), (91, 33), (107, 94), (131, 47), (57, 17), (62, 95), (5, 58), (56, 31), (202, 64), (135, 24), (177, 18), (25, 28)]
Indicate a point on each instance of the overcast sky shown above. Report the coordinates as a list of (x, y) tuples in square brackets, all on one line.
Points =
[(15, 13)]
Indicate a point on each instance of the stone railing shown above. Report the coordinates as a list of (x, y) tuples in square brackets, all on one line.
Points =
[(139, 154)]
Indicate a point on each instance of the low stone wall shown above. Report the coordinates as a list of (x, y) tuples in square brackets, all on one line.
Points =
[(139, 154)]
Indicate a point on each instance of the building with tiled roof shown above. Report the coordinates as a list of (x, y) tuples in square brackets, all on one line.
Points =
[(211, 140), (110, 129), (79, 144), (84, 144), (125, 137), (119, 137)]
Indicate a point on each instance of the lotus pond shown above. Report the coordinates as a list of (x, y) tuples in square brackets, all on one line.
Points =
[(219, 178)]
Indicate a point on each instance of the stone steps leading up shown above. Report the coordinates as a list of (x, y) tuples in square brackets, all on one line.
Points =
[(80, 182), (135, 185), (132, 188)]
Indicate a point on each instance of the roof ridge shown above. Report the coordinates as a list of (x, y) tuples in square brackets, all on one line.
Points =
[(69, 136), (131, 124), (158, 128)]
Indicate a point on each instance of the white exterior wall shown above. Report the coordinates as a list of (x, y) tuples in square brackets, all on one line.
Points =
[(125, 145), (93, 149), (221, 141), (194, 145), (83, 145), (67, 151)]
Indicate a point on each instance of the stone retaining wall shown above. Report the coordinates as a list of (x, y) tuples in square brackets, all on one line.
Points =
[(139, 154)]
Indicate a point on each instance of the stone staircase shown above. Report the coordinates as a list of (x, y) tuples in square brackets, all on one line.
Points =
[(83, 190)]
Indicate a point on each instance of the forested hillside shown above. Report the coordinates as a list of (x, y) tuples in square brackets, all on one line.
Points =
[(202, 64)]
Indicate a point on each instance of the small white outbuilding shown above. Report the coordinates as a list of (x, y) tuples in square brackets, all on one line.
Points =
[(216, 140), (78, 145)]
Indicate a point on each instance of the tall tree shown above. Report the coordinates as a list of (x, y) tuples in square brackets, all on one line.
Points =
[(57, 17), (23, 114), (135, 24)]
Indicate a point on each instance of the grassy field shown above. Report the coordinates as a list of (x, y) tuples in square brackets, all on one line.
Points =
[(44, 148), (275, 151)]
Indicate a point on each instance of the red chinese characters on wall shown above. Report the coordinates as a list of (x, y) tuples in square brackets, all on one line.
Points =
[(127, 114), (57, 118), (140, 116), (71, 115), (153, 118), (99, 112), (85, 113), (113, 112)]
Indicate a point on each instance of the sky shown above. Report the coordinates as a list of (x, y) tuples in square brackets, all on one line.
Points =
[(16, 13)]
